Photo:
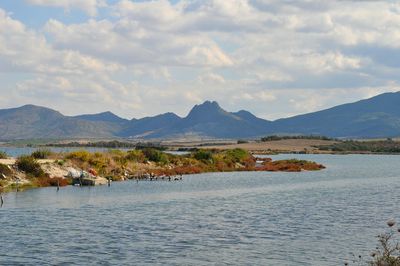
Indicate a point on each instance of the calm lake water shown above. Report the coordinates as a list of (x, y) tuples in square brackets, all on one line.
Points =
[(264, 218), (17, 151)]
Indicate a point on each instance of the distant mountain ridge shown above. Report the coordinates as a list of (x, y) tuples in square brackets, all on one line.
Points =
[(104, 117), (376, 117)]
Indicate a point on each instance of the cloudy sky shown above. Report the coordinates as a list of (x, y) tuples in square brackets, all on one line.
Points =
[(275, 58)]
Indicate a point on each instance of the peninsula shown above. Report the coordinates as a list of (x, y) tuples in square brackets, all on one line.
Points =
[(45, 168)]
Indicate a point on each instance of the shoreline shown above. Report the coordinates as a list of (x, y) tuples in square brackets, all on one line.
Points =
[(116, 165)]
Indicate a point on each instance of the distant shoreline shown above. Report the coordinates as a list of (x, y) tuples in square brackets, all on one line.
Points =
[(269, 145)]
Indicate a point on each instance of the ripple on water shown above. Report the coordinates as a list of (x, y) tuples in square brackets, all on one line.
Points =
[(313, 218)]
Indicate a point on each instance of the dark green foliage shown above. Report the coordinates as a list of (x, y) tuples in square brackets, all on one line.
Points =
[(42, 154), (203, 155), (384, 146), (146, 145), (184, 149), (241, 141), (3, 155), (155, 155), (111, 144), (236, 155), (99, 144), (30, 166), (275, 137)]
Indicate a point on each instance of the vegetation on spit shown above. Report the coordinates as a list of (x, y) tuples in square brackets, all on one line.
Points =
[(35, 175), (149, 160), (119, 164), (42, 154), (30, 166)]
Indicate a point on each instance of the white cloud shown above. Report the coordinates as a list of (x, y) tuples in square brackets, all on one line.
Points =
[(88, 6), (148, 12), (127, 43), (207, 78), (250, 54)]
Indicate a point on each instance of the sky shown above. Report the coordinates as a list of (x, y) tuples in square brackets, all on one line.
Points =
[(274, 58)]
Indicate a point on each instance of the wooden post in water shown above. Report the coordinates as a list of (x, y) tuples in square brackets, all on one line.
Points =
[(58, 184), (1, 201), (109, 181)]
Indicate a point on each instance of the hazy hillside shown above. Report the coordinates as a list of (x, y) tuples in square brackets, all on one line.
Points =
[(375, 117), (209, 119), (104, 117), (31, 121), (149, 126)]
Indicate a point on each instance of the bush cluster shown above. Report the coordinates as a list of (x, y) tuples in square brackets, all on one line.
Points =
[(156, 156), (42, 154), (203, 155), (30, 166)]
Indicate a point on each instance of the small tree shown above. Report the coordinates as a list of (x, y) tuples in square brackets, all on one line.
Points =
[(30, 166)]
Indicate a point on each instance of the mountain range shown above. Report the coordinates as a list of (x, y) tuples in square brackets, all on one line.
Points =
[(376, 117)]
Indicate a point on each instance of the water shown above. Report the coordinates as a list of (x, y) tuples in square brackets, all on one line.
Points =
[(18, 151), (264, 218)]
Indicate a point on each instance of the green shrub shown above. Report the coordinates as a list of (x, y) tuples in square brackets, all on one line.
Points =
[(3, 155), (236, 155), (203, 155), (82, 155), (135, 156), (99, 161), (155, 156), (41, 154), (30, 166)]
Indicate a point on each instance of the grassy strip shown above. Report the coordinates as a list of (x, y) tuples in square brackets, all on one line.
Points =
[(383, 146)]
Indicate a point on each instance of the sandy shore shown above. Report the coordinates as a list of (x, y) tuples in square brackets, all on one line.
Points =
[(11, 161)]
